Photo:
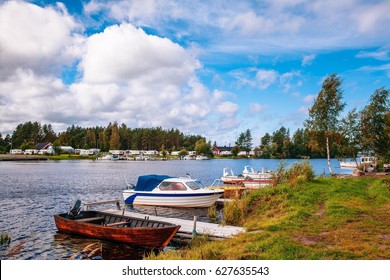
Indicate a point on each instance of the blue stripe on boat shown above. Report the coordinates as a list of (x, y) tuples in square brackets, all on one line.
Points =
[(130, 199), (175, 194)]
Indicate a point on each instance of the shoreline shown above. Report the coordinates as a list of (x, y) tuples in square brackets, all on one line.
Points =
[(7, 157)]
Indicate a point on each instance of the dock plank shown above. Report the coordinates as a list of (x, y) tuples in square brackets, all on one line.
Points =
[(187, 225)]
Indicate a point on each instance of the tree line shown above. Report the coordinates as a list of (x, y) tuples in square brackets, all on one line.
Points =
[(111, 137)]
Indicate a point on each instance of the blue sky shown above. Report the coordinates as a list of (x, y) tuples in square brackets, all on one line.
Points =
[(214, 68)]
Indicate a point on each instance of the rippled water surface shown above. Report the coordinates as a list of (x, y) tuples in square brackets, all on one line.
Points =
[(32, 192)]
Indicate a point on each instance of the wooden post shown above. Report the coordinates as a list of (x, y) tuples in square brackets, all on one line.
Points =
[(194, 228)]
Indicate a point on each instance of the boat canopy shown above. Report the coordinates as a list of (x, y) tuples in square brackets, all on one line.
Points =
[(149, 182)]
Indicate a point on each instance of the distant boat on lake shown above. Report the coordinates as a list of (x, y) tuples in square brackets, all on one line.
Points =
[(366, 162)]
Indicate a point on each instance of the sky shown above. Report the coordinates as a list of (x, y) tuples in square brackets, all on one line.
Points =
[(209, 68)]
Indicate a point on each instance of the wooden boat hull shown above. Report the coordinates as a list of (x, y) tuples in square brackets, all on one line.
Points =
[(142, 232)]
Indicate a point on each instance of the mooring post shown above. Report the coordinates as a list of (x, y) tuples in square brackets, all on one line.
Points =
[(194, 228)]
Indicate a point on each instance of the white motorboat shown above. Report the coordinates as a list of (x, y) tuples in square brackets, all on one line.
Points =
[(109, 157), (261, 175), (366, 162), (201, 157), (250, 176), (163, 190), (228, 177)]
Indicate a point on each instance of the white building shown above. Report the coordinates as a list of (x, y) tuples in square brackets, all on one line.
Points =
[(150, 153), (16, 152), (31, 152)]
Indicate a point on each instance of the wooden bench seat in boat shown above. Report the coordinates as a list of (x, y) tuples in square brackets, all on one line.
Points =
[(117, 224), (91, 219)]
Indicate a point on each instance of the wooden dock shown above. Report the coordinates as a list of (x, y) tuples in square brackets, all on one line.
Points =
[(187, 229)]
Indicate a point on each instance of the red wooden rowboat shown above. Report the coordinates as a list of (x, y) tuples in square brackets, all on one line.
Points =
[(100, 225)]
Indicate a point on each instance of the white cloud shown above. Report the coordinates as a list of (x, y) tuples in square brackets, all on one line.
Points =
[(308, 59), (40, 39), (257, 108), (228, 108), (143, 79), (381, 54), (124, 53), (378, 68), (289, 81), (26, 96), (264, 78), (249, 23), (309, 98), (261, 26)]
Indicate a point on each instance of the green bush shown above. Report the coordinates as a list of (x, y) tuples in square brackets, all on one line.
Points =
[(298, 173), (235, 211)]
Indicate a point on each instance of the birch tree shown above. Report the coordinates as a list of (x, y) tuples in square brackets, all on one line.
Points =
[(323, 115)]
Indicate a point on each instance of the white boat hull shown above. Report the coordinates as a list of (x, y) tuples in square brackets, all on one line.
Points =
[(348, 164), (172, 199), (232, 180)]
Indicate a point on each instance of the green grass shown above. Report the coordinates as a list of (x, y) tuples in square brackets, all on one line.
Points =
[(328, 218), (71, 157)]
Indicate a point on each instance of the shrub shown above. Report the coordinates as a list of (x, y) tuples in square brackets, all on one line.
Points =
[(235, 211), (298, 173)]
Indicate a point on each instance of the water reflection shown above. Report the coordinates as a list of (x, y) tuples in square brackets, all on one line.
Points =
[(75, 247)]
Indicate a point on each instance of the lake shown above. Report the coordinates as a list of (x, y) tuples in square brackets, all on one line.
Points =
[(32, 192)]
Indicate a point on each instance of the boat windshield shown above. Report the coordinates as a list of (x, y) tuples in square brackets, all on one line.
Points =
[(172, 186), (195, 185)]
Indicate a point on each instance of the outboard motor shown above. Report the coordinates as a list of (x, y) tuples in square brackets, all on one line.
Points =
[(75, 209)]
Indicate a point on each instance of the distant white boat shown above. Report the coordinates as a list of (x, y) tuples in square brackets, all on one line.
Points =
[(228, 177), (366, 162), (249, 176), (263, 174), (201, 158), (188, 157), (109, 157)]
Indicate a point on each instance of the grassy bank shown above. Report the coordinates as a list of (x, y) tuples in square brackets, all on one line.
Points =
[(71, 157), (328, 218)]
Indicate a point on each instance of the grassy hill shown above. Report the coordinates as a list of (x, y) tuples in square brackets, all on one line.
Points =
[(327, 218)]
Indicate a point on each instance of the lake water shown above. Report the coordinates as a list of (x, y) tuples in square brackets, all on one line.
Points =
[(32, 192)]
